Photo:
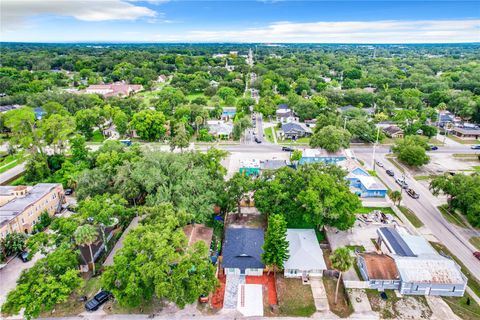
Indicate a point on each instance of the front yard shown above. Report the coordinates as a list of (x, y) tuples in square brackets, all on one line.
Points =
[(343, 308), (294, 298), (407, 307)]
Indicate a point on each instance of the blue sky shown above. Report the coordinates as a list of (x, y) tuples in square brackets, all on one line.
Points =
[(240, 21)]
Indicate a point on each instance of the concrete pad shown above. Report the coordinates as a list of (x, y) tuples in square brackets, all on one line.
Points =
[(319, 294), (250, 300), (359, 300), (440, 309)]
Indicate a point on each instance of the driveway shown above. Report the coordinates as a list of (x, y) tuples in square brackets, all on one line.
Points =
[(319, 294), (10, 274), (119, 244)]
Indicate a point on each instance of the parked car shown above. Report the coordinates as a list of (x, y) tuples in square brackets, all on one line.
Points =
[(287, 149), (412, 193), (68, 192), (258, 140), (476, 254), (379, 164), (24, 256), (475, 147), (390, 173), (401, 183), (99, 299), (432, 147)]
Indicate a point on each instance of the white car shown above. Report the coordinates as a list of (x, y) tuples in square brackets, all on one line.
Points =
[(379, 164)]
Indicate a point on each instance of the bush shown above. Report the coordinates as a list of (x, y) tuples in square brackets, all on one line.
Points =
[(12, 244)]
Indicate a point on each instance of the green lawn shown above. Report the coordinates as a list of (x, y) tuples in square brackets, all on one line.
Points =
[(11, 161), (269, 134), (97, 136), (451, 216), (385, 210), (464, 307), (457, 139), (472, 281), (300, 142), (417, 223), (475, 241), (422, 178), (294, 298), (395, 163)]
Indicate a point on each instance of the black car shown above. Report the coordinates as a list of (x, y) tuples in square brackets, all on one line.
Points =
[(390, 173), (257, 140), (432, 147), (476, 147), (23, 256), (287, 149), (99, 299), (68, 192)]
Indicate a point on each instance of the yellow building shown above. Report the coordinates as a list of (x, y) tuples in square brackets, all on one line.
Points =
[(21, 206)]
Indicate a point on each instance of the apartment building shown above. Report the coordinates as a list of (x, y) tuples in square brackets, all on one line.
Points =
[(21, 206)]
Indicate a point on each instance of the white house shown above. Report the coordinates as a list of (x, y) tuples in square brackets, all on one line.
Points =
[(305, 256)]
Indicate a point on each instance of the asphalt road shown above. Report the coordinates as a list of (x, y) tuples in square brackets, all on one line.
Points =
[(425, 209), (10, 174)]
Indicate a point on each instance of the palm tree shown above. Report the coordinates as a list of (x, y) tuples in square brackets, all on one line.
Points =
[(396, 197), (341, 261), (86, 235)]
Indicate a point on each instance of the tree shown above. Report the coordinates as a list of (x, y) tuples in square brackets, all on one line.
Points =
[(342, 261), (149, 125), (21, 122), (50, 281), (396, 196), (275, 248), (227, 94), (331, 139), (56, 129), (86, 235), (240, 125), (78, 149), (120, 120), (85, 120), (296, 155), (411, 150), (235, 191), (13, 243), (180, 139)]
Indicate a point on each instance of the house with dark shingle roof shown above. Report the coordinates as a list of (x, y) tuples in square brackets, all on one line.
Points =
[(295, 130), (242, 251)]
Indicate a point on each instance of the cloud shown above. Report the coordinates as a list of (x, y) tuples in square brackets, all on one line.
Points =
[(384, 31), (15, 13)]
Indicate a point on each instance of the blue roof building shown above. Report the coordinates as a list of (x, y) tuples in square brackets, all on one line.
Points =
[(242, 251), (364, 185)]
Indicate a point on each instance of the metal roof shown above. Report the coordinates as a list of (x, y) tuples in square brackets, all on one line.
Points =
[(395, 242), (438, 270), (304, 250)]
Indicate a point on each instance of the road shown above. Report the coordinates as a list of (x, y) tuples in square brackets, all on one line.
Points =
[(11, 174), (425, 209)]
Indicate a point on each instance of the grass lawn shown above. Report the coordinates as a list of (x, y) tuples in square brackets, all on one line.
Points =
[(476, 168), (11, 161), (465, 155), (269, 134), (460, 307), (343, 308), (417, 223), (451, 216), (294, 298), (422, 178), (457, 139), (97, 136), (385, 210), (373, 173), (395, 163), (472, 281), (74, 305), (475, 241), (301, 142)]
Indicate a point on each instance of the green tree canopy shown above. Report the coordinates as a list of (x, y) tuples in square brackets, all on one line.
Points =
[(275, 247), (331, 139)]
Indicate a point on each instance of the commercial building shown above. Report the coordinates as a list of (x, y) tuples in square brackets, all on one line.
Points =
[(21, 206)]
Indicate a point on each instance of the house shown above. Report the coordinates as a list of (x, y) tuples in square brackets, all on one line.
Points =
[(250, 167), (97, 248), (364, 185), (445, 118), (198, 232), (273, 164), (295, 130), (321, 155), (379, 270), (220, 129), (21, 206), (242, 250), (466, 132), (228, 113), (286, 115), (422, 270), (305, 256), (114, 89), (393, 131), (368, 111), (9, 107), (214, 83)]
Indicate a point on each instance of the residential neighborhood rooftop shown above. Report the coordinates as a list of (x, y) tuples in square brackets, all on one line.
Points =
[(380, 266), (304, 250), (242, 248), (438, 270)]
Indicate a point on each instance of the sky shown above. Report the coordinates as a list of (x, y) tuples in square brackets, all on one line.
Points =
[(265, 21)]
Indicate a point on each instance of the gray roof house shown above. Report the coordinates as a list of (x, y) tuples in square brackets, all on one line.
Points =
[(273, 164), (242, 250), (421, 270), (295, 130)]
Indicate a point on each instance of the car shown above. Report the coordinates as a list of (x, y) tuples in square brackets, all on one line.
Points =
[(432, 147), (258, 140), (287, 149), (401, 183), (475, 147), (99, 299), (24, 256), (68, 192), (476, 254), (412, 193), (379, 164), (390, 173)]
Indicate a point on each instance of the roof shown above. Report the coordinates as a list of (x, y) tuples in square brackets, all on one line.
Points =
[(393, 130), (220, 127), (438, 270), (242, 248), (114, 89), (250, 163), (9, 107), (272, 164), (467, 130), (370, 183), (7, 190), (313, 153), (418, 245), (304, 250), (198, 232), (282, 106), (395, 242), (295, 126), (380, 266)]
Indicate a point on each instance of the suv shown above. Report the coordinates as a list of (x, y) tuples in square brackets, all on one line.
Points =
[(99, 299), (476, 254), (390, 173), (287, 149), (401, 183), (431, 147), (413, 194)]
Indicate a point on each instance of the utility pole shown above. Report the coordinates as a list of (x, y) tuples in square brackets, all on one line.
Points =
[(374, 147), (345, 123)]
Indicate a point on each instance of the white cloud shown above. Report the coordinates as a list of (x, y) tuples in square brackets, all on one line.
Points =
[(386, 31), (14, 13)]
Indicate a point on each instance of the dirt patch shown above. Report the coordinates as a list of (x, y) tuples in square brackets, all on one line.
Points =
[(343, 307), (241, 221), (407, 307), (294, 298), (216, 300)]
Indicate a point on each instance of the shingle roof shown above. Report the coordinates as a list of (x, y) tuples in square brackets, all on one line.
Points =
[(273, 164), (304, 250), (242, 248), (295, 126)]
